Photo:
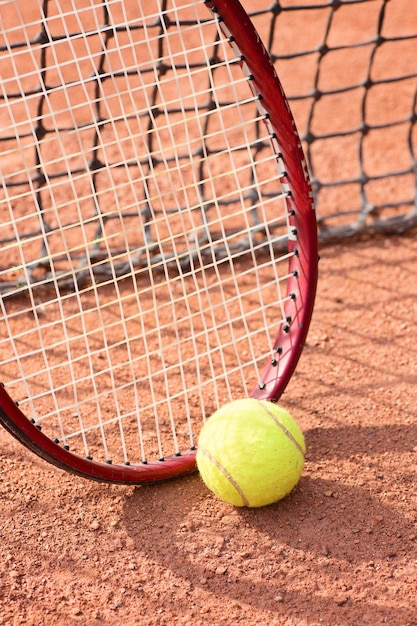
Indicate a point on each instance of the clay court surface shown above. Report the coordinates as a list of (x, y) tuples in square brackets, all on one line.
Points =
[(341, 550)]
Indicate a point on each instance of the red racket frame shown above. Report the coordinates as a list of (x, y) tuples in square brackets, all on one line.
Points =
[(301, 288)]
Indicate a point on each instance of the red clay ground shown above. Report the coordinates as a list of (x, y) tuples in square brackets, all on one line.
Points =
[(341, 550)]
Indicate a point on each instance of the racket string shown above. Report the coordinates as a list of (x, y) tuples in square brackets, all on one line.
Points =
[(146, 223)]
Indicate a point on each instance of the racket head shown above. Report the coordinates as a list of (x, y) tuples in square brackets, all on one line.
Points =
[(209, 251)]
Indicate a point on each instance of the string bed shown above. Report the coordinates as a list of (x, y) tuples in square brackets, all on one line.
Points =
[(144, 230)]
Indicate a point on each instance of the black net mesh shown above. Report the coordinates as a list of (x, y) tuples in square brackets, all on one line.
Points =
[(349, 69)]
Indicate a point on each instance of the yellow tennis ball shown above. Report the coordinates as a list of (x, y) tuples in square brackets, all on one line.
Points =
[(251, 453)]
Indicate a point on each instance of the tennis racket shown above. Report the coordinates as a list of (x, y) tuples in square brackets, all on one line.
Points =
[(158, 241)]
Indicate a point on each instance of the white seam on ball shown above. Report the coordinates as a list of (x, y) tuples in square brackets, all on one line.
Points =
[(226, 474), (282, 427)]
